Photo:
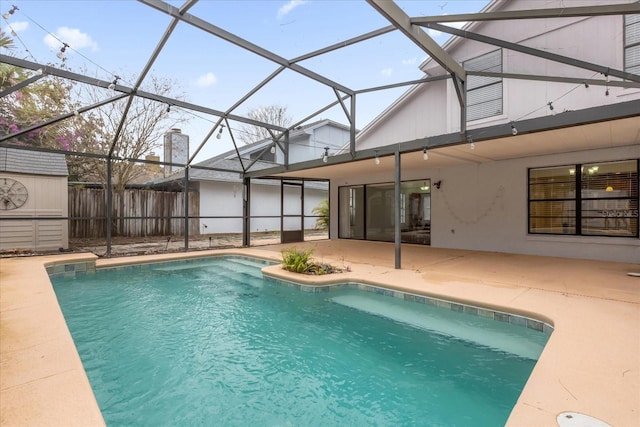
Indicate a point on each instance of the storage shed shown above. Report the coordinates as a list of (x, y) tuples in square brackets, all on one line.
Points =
[(33, 185)]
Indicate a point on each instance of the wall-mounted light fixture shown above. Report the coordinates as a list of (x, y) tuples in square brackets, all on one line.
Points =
[(550, 104), (377, 159), (514, 131), (425, 155), (272, 150), (472, 144), (437, 184)]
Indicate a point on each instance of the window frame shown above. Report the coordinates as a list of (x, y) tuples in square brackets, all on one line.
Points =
[(469, 66), (578, 199)]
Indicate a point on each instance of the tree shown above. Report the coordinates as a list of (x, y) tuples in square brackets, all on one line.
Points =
[(91, 132), (42, 100), (141, 133), (272, 114)]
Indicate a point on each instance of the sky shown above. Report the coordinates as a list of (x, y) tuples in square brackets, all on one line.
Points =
[(117, 37)]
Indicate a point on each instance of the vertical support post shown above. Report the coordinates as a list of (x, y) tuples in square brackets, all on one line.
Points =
[(286, 150), (461, 90), (186, 207), (246, 213), (463, 109), (352, 129), (302, 209), (397, 209), (281, 211), (108, 207)]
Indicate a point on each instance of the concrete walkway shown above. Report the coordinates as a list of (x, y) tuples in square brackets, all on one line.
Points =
[(591, 364)]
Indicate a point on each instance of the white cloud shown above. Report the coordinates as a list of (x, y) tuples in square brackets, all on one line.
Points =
[(17, 26), (288, 7), (409, 61), (75, 38), (207, 80), (386, 71)]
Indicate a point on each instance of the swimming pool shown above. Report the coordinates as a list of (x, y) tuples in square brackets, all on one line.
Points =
[(211, 341)]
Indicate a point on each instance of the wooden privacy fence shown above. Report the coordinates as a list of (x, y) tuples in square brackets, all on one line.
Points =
[(135, 213)]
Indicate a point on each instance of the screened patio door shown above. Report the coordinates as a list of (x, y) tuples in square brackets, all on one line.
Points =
[(292, 208)]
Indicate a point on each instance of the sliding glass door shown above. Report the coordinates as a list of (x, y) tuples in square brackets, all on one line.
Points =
[(367, 212)]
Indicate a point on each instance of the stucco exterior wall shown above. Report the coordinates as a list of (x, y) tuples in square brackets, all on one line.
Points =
[(310, 145), (47, 197), (225, 199), (484, 207)]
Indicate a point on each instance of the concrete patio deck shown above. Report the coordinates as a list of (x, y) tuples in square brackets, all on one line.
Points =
[(591, 364)]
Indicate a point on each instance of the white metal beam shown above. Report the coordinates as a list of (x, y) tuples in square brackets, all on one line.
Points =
[(560, 12), (402, 21)]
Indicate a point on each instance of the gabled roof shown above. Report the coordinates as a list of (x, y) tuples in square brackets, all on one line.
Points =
[(32, 162), (226, 170), (295, 133), (227, 166)]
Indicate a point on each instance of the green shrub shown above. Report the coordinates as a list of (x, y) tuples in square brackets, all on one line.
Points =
[(295, 260), (298, 261)]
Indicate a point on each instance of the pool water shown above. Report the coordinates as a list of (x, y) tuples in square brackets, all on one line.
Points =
[(212, 343)]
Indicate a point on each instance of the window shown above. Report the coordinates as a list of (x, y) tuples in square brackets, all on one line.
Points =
[(632, 44), (597, 199), (484, 94)]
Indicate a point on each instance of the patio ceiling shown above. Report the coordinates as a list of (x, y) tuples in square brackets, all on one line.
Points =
[(449, 150), (623, 132)]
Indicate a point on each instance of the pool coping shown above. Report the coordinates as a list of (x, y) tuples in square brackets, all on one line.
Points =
[(553, 387)]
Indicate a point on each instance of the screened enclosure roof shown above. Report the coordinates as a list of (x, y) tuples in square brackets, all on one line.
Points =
[(345, 61)]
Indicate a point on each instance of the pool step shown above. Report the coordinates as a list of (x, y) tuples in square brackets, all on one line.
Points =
[(444, 322)]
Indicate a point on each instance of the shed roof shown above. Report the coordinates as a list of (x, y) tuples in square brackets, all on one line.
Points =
[(32, 162)]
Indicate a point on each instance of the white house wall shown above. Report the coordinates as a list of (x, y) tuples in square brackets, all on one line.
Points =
[(311, 145), (225, 199), (220, 199), (329, 136), (433, 109), (48, 197), (484, 207)]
